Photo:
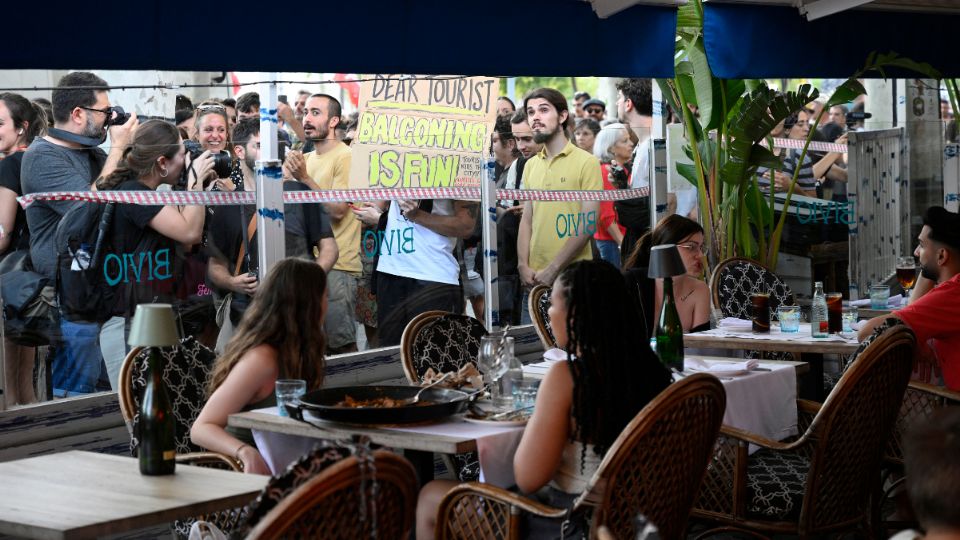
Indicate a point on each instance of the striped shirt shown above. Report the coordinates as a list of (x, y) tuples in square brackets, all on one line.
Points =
[(805, 179)]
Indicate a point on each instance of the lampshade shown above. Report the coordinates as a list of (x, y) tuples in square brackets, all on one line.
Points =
[(153, 326), (665, 261)]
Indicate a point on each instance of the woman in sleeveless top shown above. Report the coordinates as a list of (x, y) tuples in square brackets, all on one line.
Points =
[(280, 337), (583, 403)]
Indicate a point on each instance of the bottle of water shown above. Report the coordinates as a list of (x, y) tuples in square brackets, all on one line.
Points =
[(818, 312), (513, 376)]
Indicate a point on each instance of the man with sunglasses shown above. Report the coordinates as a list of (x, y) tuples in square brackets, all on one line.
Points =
[(68, 158)]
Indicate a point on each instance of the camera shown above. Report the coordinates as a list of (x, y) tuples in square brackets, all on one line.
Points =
[(222, 162), (119, 117), (618, 177)]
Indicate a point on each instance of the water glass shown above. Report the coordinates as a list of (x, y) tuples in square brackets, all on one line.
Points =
[(525, 393), (492, 362), (850, 316), (789, 317), (289, 392), (879, 295)]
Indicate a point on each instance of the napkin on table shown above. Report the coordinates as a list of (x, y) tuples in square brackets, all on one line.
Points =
[(695, 364), (893, 301), (466, 376), (733, 323)]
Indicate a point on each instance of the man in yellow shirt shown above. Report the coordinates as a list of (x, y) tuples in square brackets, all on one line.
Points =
[(554, 234), (328, 167)]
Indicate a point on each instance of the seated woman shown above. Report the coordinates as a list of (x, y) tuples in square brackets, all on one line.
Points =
[(280, 337), (583, 403), (690, 292)]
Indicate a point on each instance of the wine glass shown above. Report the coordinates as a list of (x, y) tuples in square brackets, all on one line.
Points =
[(906, 275), (491, 363)]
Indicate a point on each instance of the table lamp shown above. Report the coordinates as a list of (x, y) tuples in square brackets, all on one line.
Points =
[(666, 262), (155, 326)]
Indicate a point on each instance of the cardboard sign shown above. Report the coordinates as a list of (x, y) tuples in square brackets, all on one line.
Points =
[(423, 131)]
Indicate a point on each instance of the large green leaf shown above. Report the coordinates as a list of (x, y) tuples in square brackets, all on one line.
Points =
[(688, 171), (690, 15), (705, 86), (845, 93)]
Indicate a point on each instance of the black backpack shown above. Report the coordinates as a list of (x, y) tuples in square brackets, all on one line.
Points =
[(83, 243)]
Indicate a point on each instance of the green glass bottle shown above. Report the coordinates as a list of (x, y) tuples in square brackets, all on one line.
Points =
[(669, 331), (157, 436)]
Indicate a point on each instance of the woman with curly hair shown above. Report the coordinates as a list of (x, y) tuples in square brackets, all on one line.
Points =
[(585, 402), (280, 337)]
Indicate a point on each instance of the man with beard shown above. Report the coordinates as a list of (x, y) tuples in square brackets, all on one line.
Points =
[(635, 109), (934, 310), (233, 259), (554, 234), (524, 136), (68, 158), (328, 167)]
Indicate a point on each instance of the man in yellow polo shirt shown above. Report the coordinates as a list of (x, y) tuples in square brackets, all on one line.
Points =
[(554, 234), (328, 167)]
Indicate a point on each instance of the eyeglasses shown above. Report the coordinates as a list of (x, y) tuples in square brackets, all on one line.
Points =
[(592, 110), (694, 246), (108, 111), (212, 107)]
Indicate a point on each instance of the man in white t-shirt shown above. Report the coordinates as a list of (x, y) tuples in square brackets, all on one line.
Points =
[(635, 108)]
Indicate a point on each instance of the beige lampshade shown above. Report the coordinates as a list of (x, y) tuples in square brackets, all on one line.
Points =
[(153, 325)]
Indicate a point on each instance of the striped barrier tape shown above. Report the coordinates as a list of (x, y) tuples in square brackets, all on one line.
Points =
[(219, 198), (816, 146)]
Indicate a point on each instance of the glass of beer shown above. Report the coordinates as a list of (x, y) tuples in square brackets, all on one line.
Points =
[(834, 312), (906, 275), (761, 312)]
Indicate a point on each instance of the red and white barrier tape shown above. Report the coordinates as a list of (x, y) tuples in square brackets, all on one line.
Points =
[(816, 146), (219, 198)]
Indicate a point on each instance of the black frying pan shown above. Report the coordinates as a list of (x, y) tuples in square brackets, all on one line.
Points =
[(435, 403)]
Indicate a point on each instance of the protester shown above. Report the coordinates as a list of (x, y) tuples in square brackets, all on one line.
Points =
[(554, 234), (934, 307), (584, 402), (524, 135), (578, 99), (595, 108), (212, 131), (68, 159), (635, 109), (585, 134), (280, 337), (690, 293), (613, 147), (505, 106), (510, 163), (797, 127), (326, 168), (47, 107), (20, 123), (232, 236)]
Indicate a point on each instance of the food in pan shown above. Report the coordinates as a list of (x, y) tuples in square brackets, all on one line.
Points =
[(378, 402)]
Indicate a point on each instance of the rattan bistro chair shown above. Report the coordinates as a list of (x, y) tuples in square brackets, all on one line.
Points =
[(734, 280), (654, 468), (822, 481), (358, 497), (538, 303), (444, 342)]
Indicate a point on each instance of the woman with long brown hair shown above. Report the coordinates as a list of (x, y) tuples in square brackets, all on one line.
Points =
[(280, 337)]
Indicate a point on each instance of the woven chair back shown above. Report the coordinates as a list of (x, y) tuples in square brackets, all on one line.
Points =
[(354, 498), (852, 428), (656, 466), (186, 370), (439, 340), (734, 280), (539, 305)]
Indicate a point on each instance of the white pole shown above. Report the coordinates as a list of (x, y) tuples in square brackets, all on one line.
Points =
[(271, 245), (488, 217)]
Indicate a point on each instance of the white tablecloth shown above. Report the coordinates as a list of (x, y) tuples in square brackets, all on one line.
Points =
[(775, 334)]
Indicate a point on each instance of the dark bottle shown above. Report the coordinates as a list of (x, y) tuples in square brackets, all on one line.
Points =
[(158, 447), (669, 331)]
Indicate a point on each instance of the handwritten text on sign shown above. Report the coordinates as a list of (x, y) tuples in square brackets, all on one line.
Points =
[(422, 132)]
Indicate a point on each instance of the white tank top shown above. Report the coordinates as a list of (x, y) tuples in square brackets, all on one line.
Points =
[(413, 251)]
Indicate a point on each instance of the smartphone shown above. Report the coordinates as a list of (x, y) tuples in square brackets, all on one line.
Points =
[(282, 99)]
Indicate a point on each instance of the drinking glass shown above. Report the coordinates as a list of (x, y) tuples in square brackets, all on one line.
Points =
[(906, 275), (834, 307), (525, 393), (761, 312), (789, 317), (492, 363), (850, 316), (879, 295), (289, 392)]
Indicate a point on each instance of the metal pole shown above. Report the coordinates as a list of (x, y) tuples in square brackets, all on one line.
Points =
[(488, 215), (271, 245), (657, 161)]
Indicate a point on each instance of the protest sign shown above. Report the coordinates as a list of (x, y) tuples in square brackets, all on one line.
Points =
[(422, 131)]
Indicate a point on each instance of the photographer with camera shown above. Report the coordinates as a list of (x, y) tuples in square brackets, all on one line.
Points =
[(68, 158), (212, 134)]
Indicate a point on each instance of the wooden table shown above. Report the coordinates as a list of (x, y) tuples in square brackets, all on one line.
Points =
[(84, 495), (869, 313), (810, 352)]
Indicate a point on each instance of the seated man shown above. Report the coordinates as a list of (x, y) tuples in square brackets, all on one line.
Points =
[(934, 309), (932, 455)]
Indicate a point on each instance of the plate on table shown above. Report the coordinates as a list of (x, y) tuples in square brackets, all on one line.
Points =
[(520, 420), (719, 372)]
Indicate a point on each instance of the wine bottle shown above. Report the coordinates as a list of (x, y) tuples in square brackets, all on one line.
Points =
[(669, 331), (157, 450)]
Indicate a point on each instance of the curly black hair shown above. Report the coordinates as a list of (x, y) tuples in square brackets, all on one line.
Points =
[(615, 372)]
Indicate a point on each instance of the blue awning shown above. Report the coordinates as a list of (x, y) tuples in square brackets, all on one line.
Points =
[(750, 41), (468, 37)]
